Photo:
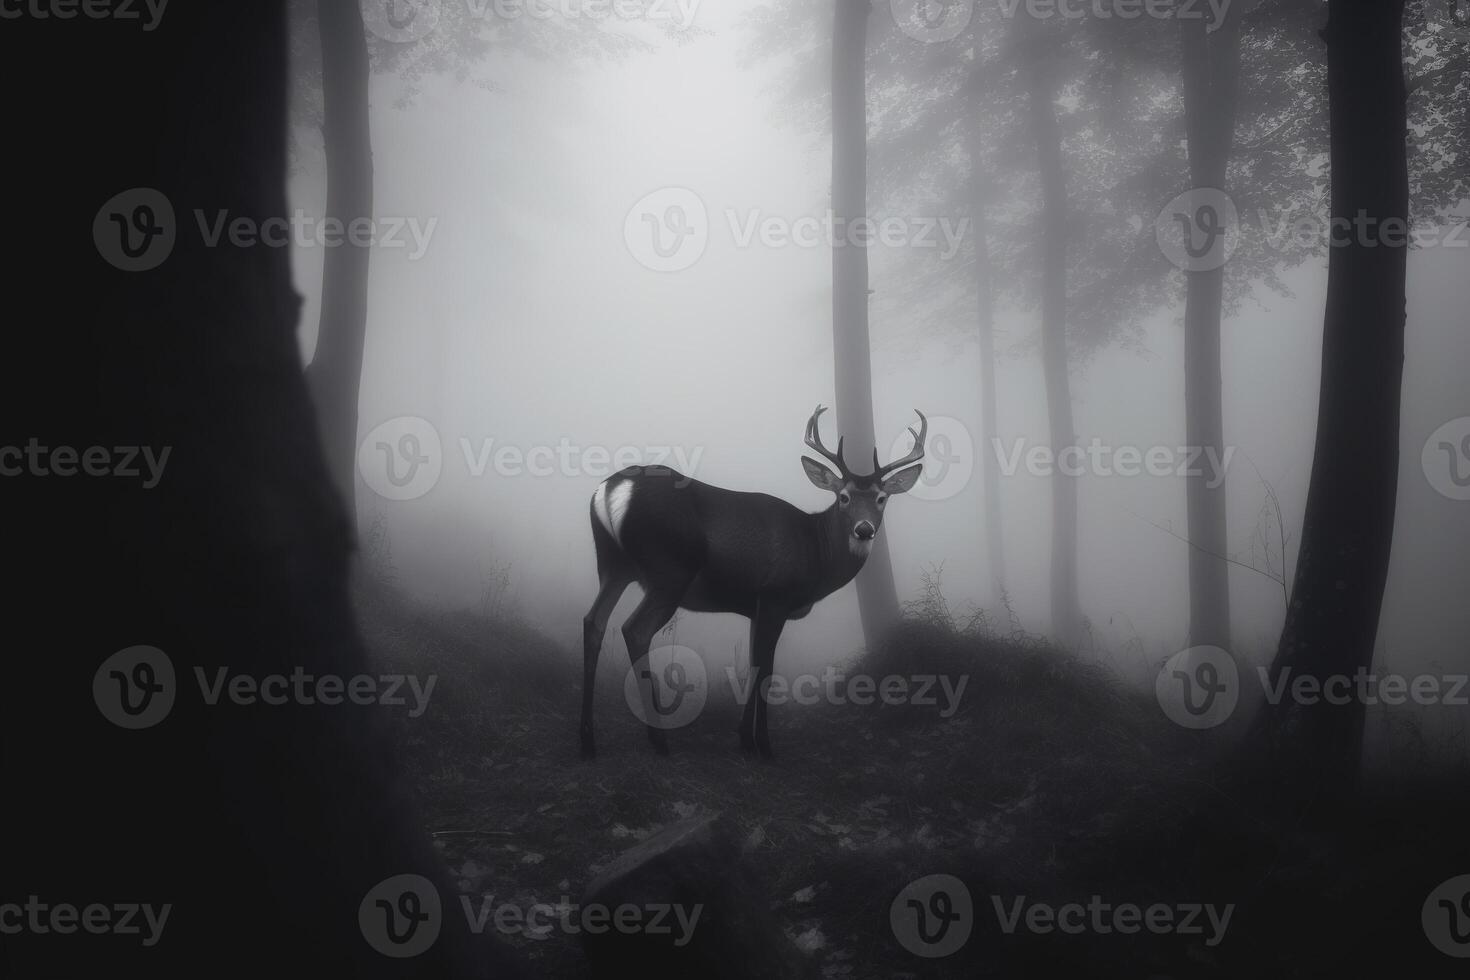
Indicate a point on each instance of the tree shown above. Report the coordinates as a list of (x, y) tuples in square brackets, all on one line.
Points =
[(272, 819), (1210, 62), (1347, 529), (335, 373), (1039, 71), (851, 349)]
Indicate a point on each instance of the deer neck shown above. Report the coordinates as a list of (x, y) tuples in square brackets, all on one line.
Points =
[(839, 560)]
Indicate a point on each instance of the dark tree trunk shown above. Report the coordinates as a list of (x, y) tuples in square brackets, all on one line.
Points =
[(877, 594), (1211, 63), (1066, 613), (335, 374), (986, 455), (1347, 530), (263, 827)]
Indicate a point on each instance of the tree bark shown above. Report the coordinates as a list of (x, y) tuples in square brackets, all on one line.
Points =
[(1347, 530), (1066, 612), (335, 374), (851, 353), (1211, 64), (262, 827)]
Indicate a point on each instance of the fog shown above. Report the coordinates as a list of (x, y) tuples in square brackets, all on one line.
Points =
[(529, 321)]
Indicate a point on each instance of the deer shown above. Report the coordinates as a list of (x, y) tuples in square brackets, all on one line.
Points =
[(702, 548)]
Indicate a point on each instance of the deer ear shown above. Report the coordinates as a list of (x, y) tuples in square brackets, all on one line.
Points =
[(823, 478), (903, 481)]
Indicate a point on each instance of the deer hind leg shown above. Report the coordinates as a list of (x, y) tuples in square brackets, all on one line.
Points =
[(594, 626), (653, 613)]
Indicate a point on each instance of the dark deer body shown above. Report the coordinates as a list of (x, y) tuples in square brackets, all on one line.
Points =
[(707, 549)]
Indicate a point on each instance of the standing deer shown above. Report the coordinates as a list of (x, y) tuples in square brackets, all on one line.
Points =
[(707, 549)]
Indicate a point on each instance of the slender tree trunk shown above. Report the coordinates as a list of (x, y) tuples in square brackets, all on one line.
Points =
[(1211, 63), (1347, 530), (985, 335), (1066, 612), (877, 594), (257, 829), (335, 374)]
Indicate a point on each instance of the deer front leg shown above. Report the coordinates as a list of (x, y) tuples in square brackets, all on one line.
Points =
[(765, 630)]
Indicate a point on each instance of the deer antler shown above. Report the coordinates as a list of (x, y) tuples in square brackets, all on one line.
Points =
[(915, 454), (814, 441)]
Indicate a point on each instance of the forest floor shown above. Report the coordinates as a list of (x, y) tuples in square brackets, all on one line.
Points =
[(1050, 785)]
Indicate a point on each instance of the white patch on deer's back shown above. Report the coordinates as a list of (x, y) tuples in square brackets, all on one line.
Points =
[(610, 503)]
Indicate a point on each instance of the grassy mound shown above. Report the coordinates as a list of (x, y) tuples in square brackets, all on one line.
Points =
[(1048, 783)]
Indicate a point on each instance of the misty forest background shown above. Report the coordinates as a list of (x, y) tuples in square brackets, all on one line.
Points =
[(529, 140)]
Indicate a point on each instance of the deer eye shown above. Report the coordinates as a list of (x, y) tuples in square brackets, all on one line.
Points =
[(844, 498), (882, 499)]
